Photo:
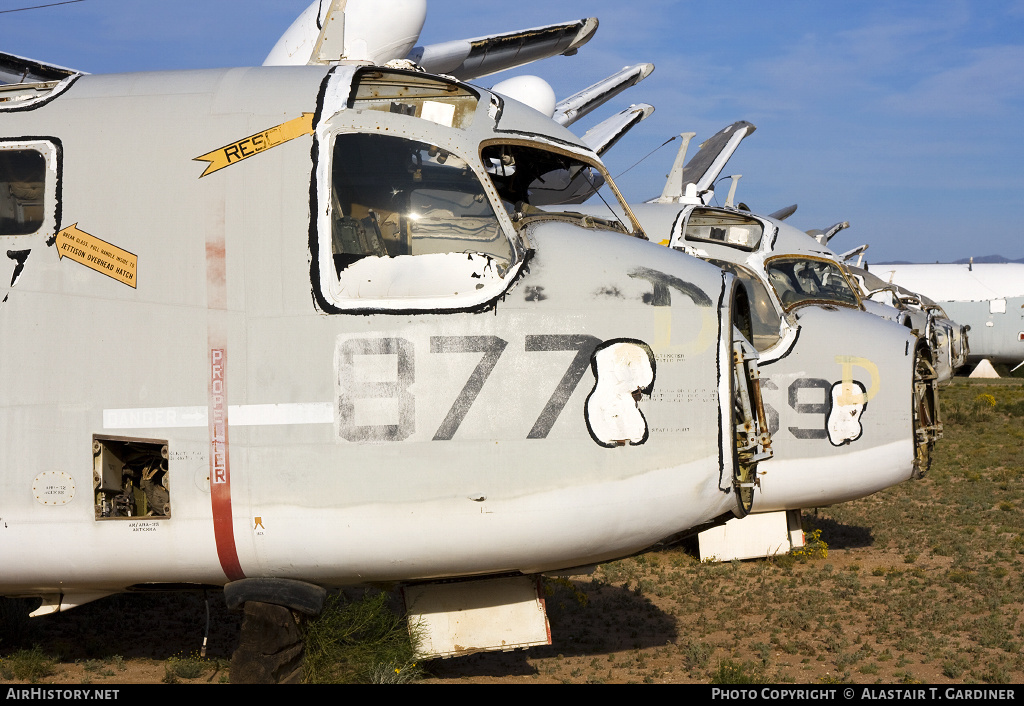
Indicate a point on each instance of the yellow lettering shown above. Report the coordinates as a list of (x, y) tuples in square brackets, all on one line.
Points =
[(848, 394), (254, 144)]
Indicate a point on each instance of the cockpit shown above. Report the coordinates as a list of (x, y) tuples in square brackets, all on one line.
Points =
[(799, 280)]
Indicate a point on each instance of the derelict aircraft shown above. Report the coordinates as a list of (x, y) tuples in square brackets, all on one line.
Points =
[(851, 398), (987, 297), (948, 339), (814, 331), (851, 401), (321, 337), (826, 364)]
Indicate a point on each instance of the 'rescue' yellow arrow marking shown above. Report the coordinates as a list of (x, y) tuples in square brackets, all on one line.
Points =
[(254, 144), (97, 254)]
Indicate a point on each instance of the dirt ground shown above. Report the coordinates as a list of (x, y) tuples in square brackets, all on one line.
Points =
[(619, 625)]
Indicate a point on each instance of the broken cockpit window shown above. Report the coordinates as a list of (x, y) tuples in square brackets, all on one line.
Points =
[(22, 188), (392, 196), (410, 227), (528, 178), (800, 280), (724, 228)]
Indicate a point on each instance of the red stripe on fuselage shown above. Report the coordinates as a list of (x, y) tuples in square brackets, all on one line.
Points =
[(220, 467)]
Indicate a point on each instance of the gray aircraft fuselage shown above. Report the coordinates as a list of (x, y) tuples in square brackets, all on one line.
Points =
[(204, 380)]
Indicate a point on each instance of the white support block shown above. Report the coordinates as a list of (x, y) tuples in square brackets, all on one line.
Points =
[(758, 535), (475, 616)]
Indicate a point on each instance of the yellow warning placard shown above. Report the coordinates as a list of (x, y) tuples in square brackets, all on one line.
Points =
[(97, 254), (254, 144)]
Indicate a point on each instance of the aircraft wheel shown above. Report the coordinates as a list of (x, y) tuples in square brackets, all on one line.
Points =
[(270, 647), (927, 427)]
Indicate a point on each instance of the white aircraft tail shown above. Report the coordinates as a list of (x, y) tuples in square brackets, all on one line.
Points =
[(703, 170), (379, 31), (350, 31), (783, 213), (823, 236), (467, 59)]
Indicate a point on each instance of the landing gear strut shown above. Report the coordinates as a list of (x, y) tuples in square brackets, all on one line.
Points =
[(927, 425)]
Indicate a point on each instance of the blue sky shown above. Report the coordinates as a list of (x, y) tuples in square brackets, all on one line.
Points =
[(903, 117)]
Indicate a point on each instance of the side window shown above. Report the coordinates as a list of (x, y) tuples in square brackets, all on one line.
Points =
[(410, 227), (765, 319), (22, 191), (725, 228)]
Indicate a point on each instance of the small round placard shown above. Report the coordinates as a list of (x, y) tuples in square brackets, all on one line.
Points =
[(53, 488)]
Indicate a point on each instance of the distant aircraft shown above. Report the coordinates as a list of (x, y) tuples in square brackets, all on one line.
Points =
[(987, 297), (323, 337), (948, 339)]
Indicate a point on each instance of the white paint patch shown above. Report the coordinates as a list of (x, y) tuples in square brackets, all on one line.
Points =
[(238, 415), (440, 113), (848, 402), (421, 278), (612, 412)]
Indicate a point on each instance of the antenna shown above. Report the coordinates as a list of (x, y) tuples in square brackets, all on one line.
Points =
[(674, 185), (330, 45), (38, 7), (732, 190)]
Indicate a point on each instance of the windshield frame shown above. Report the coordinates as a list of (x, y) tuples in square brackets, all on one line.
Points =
[(811, 300), (630, 226), (743, 273)]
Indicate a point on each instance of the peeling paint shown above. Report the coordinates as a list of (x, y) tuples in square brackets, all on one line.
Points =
[(610, 291), (848, 402), (623, 372), (419, 277), (19, 256), (535, 294), (848, 363), (663, 283)]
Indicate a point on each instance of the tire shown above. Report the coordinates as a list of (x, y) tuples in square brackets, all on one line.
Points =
[(270, 647)]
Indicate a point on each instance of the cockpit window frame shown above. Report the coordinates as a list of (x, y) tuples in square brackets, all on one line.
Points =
[(631, 226), (723, 214), (743, 273), (50, 150), (817, 301), (449, 103), (330, 290)]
